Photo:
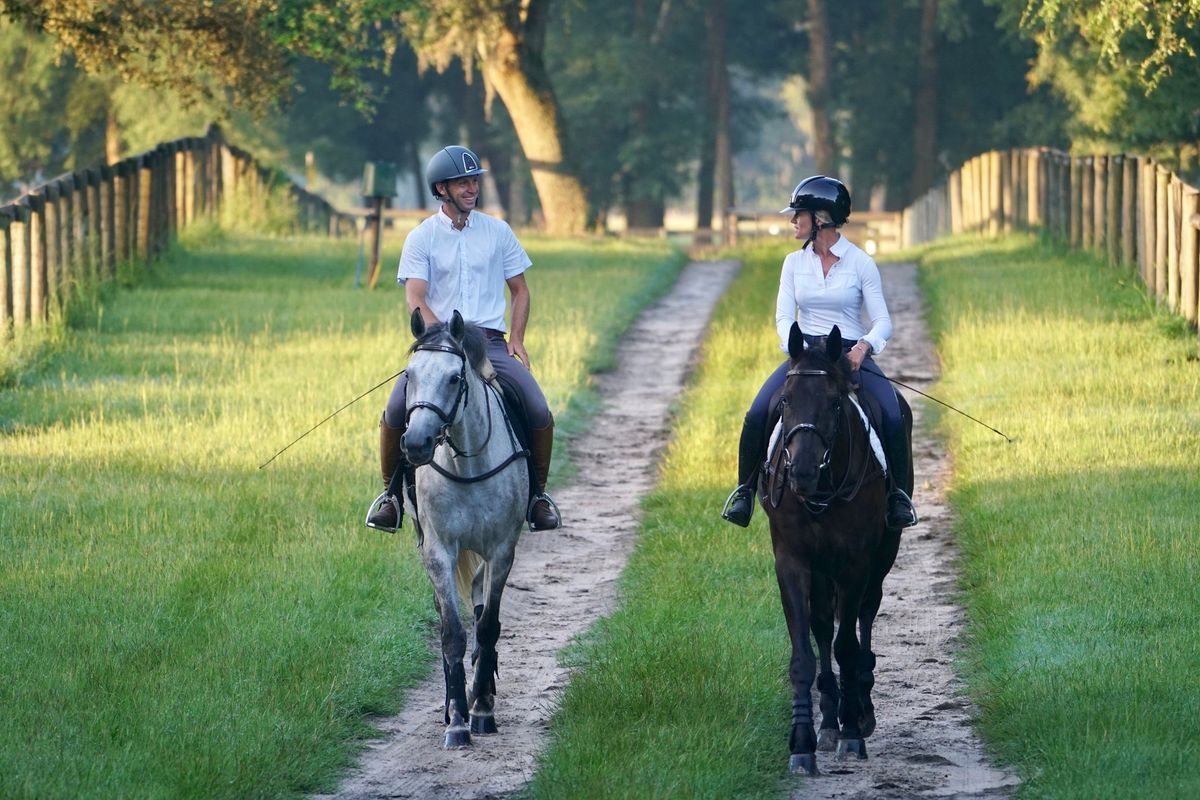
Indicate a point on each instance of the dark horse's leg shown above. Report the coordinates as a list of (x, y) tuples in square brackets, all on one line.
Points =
[(846, 650), (439, 565), (884, 560), (822, 602), (487, 633), (794, 590)]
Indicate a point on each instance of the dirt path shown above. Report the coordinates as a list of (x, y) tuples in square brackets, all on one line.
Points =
[(562, 581), (924, 745)]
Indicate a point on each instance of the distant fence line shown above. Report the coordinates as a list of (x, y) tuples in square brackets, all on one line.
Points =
[(75, 229), (1126, 208)]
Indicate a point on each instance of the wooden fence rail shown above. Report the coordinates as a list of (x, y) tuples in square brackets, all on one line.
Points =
[(1128, 209), (75, 229)]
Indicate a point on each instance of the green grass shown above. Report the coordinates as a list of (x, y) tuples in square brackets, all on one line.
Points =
[(1082, 569), (175, 621)]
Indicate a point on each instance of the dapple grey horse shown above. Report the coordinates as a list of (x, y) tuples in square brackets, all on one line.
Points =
[(472, 490)]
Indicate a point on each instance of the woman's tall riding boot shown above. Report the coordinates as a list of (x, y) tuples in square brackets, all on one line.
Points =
[(901, 513), (543, 513), (740, 505), (387, 512)]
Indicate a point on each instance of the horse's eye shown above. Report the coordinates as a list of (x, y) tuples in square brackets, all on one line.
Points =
[(454, 380)]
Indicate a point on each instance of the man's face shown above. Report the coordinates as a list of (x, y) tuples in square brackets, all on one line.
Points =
[(464, 191)]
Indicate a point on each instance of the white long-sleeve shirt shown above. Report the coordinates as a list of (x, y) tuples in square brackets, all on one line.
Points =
[(466, 270), (821, 301)]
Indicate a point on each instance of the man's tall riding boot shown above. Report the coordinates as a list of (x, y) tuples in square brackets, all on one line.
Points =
[(900, 510), (387, 512), (543, 513), (740, 505)]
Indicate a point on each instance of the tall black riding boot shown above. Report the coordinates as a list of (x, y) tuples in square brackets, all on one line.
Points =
[(900, 511), (543, 513), (387, 512), (740, 505)]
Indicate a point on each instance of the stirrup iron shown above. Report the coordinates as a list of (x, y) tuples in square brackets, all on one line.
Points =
[(377, 505)]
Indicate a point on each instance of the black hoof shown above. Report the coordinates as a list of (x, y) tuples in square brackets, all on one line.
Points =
[(852, 747), (804, 762), (457, 738), (827, 739), (483, 724)]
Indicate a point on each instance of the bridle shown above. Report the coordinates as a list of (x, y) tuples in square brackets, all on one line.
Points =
[(847, 488), (448, 419)]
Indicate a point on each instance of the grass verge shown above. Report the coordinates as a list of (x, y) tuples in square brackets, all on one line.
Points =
[(175, 621)]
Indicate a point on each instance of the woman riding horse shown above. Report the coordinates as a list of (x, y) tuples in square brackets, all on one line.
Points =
[(822, 286)]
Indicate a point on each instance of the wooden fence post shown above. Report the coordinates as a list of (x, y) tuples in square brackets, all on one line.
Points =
[(1112, 209), (1086, 200), (95, 236), (8, 218), (1075, 192), (38, 264), (1002, 193), (956, 214), (1099, 198), (108, 223), (1162, 243), (1033, 188), (22, 261), (1189, 270), (142, 225), (1128, 211), (1174, 214), (1147, 221)]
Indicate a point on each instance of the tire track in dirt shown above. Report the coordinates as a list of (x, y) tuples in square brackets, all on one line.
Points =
[(562, 581), (924, 745)]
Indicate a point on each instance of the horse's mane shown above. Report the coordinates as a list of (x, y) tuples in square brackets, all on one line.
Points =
[(474, 345)]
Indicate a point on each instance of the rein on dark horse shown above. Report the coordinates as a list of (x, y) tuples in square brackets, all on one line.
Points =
[(847, 489), (448, 418)]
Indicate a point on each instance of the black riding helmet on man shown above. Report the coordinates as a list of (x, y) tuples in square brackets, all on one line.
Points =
[(461, 259), (827, 282)]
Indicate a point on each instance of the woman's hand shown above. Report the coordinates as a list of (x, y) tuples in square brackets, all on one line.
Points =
[(858, 354)]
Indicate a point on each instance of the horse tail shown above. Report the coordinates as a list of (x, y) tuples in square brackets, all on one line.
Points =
[(464, 574)]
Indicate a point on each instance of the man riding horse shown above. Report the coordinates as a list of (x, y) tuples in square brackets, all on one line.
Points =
[(461, 259)]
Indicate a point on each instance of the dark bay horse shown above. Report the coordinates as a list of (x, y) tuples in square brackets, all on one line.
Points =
[(825, 495), (471, 492)]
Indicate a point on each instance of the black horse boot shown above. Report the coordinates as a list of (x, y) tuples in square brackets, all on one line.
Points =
[(387, 512), (900, 510), (543, 513), (740, 505)]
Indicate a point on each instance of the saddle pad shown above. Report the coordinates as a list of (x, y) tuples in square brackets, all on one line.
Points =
[(873, 437)]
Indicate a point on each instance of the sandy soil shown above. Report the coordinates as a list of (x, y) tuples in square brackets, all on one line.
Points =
[(563, 581), (924, 745)]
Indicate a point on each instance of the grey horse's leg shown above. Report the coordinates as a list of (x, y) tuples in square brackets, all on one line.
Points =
[(439, 566), (487, 633), (821, 604)]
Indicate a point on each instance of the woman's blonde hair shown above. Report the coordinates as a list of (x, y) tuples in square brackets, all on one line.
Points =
[(823, 216)]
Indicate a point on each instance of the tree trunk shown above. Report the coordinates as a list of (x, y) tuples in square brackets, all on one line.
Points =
[(513, 66), (925, 130), (723, 129), (819, 67)]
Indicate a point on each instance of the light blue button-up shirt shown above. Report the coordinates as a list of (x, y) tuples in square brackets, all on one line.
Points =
[(466, 270), (820, 301)]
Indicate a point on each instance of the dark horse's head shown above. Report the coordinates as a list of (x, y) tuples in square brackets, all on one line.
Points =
[(437, 386), (811, 407)]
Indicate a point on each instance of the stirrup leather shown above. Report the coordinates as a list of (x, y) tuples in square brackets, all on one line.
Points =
[(377, 506)]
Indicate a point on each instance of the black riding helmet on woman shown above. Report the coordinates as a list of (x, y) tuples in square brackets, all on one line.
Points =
[(827, 282)]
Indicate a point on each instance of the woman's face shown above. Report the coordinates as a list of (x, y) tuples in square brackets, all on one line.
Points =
[(802, 222)]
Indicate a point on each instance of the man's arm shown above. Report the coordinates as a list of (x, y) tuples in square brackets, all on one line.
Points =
[(518, 289), (414, 293)]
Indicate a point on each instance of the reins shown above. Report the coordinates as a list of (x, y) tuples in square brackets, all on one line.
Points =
[(448, 419), (847, 489)]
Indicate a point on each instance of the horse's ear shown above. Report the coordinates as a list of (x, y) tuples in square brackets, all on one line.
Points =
[(795, 341), (458, 328), (833, 344), (417, 323)]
